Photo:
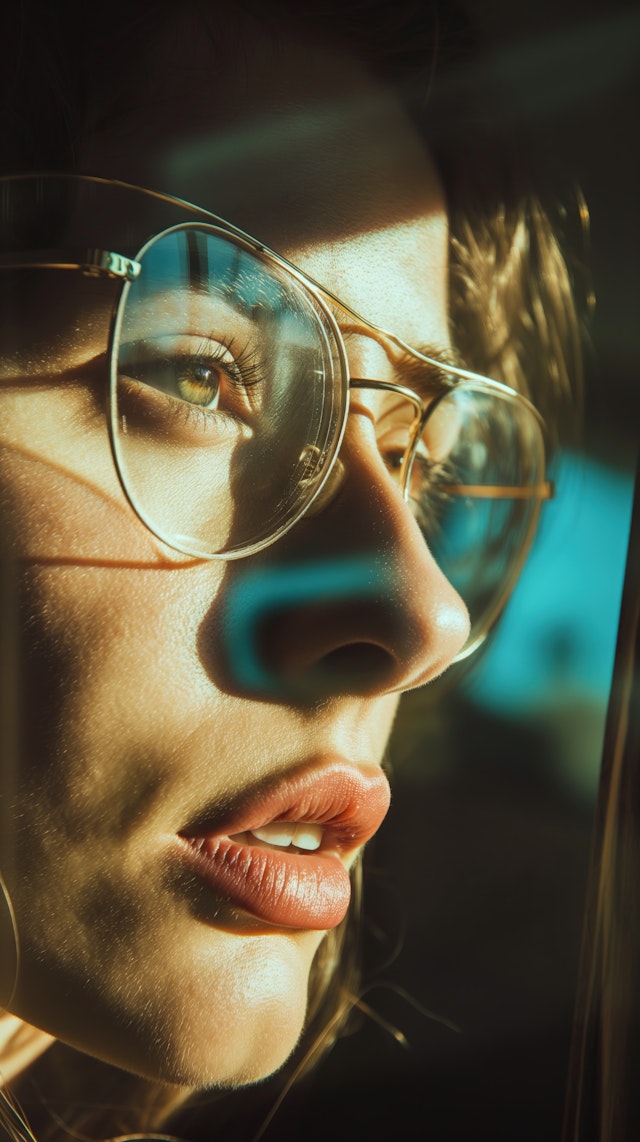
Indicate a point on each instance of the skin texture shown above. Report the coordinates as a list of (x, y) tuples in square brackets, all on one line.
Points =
[(131, 719)]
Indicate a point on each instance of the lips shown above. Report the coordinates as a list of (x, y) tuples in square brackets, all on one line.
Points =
[(291, 889)]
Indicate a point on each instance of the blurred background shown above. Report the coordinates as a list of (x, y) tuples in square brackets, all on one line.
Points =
[(477, 881)]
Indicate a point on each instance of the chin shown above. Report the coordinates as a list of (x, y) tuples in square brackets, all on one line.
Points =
[(227, 1015), (254, 1024)]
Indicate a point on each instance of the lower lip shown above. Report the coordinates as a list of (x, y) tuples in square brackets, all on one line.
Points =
[(281, 888)]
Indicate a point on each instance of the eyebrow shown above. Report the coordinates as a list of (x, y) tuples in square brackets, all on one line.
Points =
[(430, 377)]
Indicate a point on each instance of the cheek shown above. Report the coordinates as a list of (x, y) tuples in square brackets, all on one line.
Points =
[(105, 622), (112, 690), (109, 673), (109, 676), (60, 497), (169, 998)]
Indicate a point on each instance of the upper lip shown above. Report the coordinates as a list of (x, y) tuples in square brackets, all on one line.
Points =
[(349, 800)]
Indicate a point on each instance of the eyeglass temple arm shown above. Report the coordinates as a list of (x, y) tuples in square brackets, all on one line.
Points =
[(93, 263), (544, 491)]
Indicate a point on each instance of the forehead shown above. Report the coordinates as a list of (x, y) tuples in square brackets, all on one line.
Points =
[(294, 142)]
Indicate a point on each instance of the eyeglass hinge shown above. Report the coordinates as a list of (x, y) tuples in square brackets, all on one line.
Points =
[(106, 262)]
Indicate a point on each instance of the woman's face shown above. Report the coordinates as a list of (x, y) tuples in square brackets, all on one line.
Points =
[(137, 728)]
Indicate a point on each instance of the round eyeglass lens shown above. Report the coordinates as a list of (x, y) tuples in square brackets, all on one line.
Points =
[(475, 481), (227, 393)]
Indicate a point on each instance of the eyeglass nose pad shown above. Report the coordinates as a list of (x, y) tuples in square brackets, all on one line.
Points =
[(406, 468), (330, 490)]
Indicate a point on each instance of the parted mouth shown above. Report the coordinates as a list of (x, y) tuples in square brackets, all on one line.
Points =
[(296, 836), (281, 855), (325, 804)]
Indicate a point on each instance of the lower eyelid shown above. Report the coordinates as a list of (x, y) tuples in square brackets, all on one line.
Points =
[(142, 404), (240, 378)]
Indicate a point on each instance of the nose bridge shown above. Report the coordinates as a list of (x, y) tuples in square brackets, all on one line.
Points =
[(350, 602), (376, 385), (413, 428), (338, 472), (371, 354)]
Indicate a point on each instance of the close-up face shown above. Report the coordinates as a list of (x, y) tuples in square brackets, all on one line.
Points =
[(250, 492), (169, 702)]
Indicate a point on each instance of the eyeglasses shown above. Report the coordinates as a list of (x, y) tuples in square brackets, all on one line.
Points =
[(229, 390)]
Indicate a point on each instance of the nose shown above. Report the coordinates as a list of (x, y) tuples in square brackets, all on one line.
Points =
[(351, 601)]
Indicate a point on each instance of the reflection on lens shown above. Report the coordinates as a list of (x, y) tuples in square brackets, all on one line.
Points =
[(228, 398), (227, 392), (475, 485)]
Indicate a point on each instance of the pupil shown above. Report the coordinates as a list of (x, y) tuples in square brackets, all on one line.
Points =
[(198, 384), (202, 374)]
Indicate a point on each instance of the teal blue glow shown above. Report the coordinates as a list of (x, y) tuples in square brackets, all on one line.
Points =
[(550, 662), (258, 594), (560, 628), (235, 274)]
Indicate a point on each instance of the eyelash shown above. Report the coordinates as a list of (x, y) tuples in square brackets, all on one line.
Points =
[(426, 511), (249, 370), (243, 373)]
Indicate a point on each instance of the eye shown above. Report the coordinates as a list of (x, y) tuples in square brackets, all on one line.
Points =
[(392, 445), (393, 459), (197, 383), (194, 371)]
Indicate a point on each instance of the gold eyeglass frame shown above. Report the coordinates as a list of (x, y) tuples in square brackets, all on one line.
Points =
[(97, 262)]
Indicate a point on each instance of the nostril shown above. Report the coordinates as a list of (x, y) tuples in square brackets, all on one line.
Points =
[(327, 619), (357, 668), (360, 666), (311, 649)]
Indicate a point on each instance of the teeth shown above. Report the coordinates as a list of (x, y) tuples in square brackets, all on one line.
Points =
[(285, 833), (278, 833), (308, 837)]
